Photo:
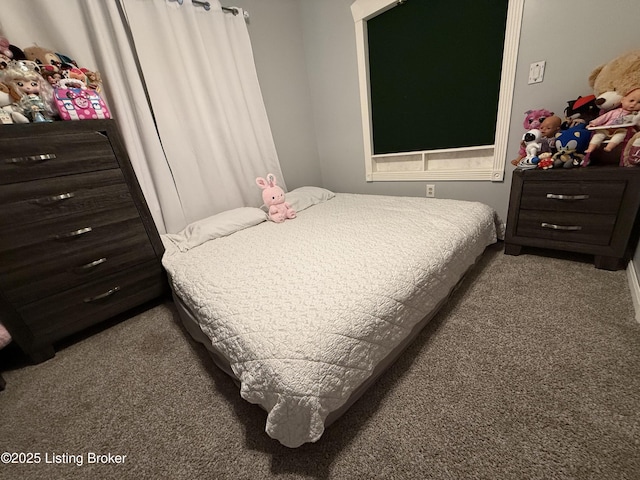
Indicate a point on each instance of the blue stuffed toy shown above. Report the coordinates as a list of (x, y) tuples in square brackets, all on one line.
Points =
[(570, 147)]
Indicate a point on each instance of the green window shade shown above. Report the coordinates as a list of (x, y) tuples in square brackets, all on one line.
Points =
[(434, 69)]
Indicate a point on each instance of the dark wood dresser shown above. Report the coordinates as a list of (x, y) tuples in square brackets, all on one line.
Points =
[(77, 244), (590, 210)]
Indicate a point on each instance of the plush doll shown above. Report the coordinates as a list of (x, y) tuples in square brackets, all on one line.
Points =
[(546, 161), (611, 81), (30, 91), (532, 120), (570, 147), (9, 113), (580, 110), (615, 123), (273, 197)]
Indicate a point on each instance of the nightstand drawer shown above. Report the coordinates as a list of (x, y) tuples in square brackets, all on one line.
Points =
[(34, 157), (591, 196), (592, 229), (31, 202), (60, 315)]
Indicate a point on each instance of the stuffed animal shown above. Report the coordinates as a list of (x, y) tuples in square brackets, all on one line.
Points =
[(532, 120), (43, 56), (273, 197), (546, 161), (613, 80), (570, 147), (580, 110), (9, 113)]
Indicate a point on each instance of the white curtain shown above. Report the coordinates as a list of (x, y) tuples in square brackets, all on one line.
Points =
[(214, 136), (199, 69), (109, 39)]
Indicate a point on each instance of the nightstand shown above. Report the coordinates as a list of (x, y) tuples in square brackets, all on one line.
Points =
[(591, 210)]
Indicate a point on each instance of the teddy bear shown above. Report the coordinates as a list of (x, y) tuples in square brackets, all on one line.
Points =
[(273, 197), (613, 80)]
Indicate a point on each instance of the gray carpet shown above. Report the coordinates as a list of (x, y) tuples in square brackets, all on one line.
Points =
[(531, 371)]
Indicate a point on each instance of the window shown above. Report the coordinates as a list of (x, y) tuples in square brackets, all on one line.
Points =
[(403, 138)]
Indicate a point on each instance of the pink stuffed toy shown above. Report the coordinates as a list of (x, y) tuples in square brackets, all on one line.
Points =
[(273, 197)]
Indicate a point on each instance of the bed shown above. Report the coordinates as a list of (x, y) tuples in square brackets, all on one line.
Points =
[(306, 314)]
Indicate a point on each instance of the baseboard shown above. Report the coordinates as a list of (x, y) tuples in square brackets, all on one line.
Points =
[(634, 286)]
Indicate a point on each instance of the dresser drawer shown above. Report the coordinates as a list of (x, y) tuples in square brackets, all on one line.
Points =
[(592, 229), (60, 315), (56, 237), (25, 158), (587, 196), (45, 268), (39, 200)]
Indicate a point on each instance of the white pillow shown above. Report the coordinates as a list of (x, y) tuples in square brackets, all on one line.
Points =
[(216, 226), (304, 197)]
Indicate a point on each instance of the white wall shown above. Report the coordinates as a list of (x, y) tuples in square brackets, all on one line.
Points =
[(276, 36)]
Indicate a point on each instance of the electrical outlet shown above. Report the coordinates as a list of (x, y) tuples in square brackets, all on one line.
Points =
[(536, 72), (431, 191)]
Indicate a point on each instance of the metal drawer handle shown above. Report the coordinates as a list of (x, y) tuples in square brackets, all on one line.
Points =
[(557, 196), (54, 198), (31, 159), (74, 234), (106, 294), (91, 265), (560, 227)]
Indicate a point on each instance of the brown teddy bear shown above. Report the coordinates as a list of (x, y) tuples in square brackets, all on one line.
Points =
[(613, 80)]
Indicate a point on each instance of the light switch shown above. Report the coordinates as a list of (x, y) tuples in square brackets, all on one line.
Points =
[(536, 72)]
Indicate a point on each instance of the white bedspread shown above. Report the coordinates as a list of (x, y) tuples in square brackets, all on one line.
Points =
[(304, 310)]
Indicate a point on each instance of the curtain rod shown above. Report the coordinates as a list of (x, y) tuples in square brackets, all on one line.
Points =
[(207, 6)]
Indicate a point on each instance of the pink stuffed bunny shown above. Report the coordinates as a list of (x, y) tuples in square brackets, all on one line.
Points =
[(273, 197)]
